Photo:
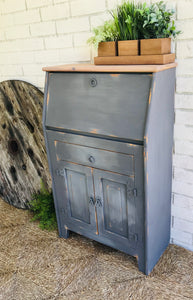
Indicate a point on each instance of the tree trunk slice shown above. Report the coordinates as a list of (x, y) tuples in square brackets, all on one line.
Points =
[(23, 161)]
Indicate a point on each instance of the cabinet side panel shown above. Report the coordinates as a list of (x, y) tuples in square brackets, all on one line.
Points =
[(158, 165)]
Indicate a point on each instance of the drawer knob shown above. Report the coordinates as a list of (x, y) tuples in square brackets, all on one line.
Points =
[(91, 159), (93, 82)]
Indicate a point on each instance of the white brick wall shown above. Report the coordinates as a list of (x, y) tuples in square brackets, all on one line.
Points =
[(35, 33)]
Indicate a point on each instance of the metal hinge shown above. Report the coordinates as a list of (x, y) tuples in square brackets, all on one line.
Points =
[(132, 193), (133, 237), (60, 172)]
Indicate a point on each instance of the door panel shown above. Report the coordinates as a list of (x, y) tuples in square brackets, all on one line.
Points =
[(117, 210), (78, 195), (115, 200), (74, 187)]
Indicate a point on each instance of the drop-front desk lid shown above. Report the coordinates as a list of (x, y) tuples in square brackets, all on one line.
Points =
[(107, 101)]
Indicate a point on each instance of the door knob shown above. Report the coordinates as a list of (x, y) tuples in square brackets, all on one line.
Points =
[(91, 159), (91, 200), (98, 202)]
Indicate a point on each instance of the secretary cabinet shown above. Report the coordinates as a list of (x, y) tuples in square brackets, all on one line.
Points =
[(109, 138)]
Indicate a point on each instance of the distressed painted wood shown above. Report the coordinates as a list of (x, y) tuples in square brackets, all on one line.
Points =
[(23, 155), (89, 109), (125, 188)]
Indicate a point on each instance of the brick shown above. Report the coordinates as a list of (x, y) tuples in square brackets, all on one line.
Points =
[(60, 1), (183, 161), (73, 25), (16, 58), (184, 245), (75, 55), (99, 19), (185, 67), (183, 237), (29, 44), (111, 4), (180, 224), (2, 35), (17, 32), (182, 188), (186, 29), (80, 39), (184, 101), (183, 175), (184, 49), (184, 117), (27, 17), (184, 85), (32, 69), (10, 6), (46, 56), (183, 132), (58, 42), (85, 7), (6, 21), (10, 70), (38, 3), (42, 29), (185, 10), (55, 12), (183, 147), (182, 201)]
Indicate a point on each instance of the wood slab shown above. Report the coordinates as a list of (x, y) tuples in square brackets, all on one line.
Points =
[(136, 60), (110, 68), (23, 155)]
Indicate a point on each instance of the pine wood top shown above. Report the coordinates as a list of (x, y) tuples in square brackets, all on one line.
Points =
[(110, 68)]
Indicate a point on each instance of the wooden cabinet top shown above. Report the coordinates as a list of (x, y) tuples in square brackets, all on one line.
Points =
[(110, 68)]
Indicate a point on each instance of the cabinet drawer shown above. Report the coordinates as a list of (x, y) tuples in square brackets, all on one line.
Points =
[(101, 104), (97, 158)]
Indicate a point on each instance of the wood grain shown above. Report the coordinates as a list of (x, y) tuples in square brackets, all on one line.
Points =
[(127, 48), (155, 46), (110, 68), (136, 60), (23, 155), (107, 49)]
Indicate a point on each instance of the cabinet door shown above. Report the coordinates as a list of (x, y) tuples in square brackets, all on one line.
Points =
[(75, 197), (116, 210)]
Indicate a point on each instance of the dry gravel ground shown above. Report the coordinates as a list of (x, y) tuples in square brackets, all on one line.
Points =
[(36, 264)]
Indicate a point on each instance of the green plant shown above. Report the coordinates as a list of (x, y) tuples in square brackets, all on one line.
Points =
[(42, 206), (157, 21), (104, 33), (128, 20)]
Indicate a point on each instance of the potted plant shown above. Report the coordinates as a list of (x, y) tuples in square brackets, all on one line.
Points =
[(104, 39), (127, 17), (157, 29), (139, 29)]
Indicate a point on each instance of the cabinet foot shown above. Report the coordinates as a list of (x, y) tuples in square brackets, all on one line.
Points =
[(64, 233), (141, 264)]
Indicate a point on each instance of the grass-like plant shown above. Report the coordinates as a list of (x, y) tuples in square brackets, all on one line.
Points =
[(128, 20), (42, 206), (104, 33)]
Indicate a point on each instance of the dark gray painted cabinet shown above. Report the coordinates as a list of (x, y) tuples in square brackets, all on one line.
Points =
[(109, 140)]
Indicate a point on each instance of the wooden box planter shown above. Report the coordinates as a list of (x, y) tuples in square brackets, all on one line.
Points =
[(126, 48), (155, 46), (107, 49)]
